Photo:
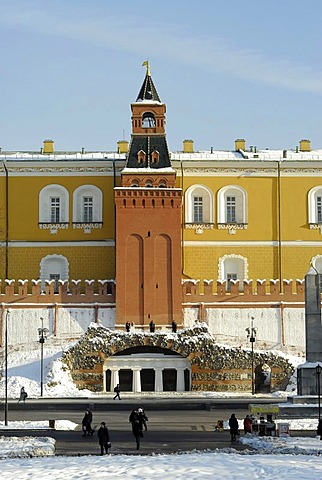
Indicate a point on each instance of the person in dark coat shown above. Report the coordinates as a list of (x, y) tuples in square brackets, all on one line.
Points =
[(104, 438), (127, 326), (233, 425), (319, 429), (143, 417), (174, 327), (152, 326), (87, 423), (137, 426), (117, 391), (23, 395)]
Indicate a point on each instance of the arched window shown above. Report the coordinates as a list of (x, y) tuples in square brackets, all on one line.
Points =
[(53, 204), (315, 205), (233, 267), (317, 263), (141, 156), (232, 205), (199, 204), (53, 267), (155, 156), (148, 120), (87, 204)]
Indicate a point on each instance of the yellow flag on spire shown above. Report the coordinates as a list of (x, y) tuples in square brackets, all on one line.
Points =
[(146, 64)]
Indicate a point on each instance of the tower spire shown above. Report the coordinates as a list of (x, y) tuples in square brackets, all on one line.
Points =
[(147, 65)]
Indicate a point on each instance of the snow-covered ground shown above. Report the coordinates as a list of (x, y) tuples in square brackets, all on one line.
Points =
[(272, 457), (296, 458)]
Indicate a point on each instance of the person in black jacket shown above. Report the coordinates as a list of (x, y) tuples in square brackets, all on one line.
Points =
[(233, 425), (117, 391), (23, 395), (87, 423), (136, 420), (319, 429), (104, 438)]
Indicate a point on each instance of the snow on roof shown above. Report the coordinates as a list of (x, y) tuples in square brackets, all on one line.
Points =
[(148, 170), (203, 155)]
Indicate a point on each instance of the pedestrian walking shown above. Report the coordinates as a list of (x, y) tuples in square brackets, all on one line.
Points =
[(117, 391), (23, 395), (248, 424), (142, 416), (319, 429), (174, 327), (137, 427), (233, 425), (127, 326), (152, 326), (87, 423), (104, 438)]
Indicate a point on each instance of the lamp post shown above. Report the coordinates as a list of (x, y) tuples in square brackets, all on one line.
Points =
[(251, 334), (42, 333), (6, 369), (318, 370)]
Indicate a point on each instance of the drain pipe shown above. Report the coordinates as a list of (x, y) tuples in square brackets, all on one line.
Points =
[(7, 222), (182, 219), (279, 224)]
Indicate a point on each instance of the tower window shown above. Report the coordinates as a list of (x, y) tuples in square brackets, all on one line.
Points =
[(141, 156), (155, 156), (148, 120)]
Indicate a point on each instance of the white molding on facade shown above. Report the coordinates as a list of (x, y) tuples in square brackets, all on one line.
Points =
[(232, 256), (209, 197), (95, 243), (91, 191), (221, 204), (44, 203), (61, 267), (274, 243), (312, 194)]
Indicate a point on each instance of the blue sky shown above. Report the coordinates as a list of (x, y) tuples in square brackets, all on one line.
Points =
[(226, 70)]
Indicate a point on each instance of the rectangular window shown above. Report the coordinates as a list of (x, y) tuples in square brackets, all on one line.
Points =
[(197, 209), (55, 277), (319, 209), (231, 209), (54, 209), (88, 209), (230, 276)]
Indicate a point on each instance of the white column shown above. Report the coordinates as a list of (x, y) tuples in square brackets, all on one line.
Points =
[(180, 379), (114, 378), (158, 380), (136, 384)]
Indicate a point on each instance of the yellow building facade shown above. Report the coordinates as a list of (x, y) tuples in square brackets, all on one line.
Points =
[(247, 213)]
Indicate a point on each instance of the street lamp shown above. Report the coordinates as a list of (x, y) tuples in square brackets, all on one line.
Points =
[(42, 333), (6, 369), (318, 370), (251, 334)]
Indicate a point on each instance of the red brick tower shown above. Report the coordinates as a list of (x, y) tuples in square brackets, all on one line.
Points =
[(148, 219)]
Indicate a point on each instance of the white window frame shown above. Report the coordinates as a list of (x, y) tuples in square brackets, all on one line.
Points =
[(53, 264), (45, 196), (313, 195), (241, 204), (78, 199), (207, 200), (240, 269)]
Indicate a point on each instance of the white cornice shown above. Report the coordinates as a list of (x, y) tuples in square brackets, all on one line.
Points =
[(273, 243), (103, 243)]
